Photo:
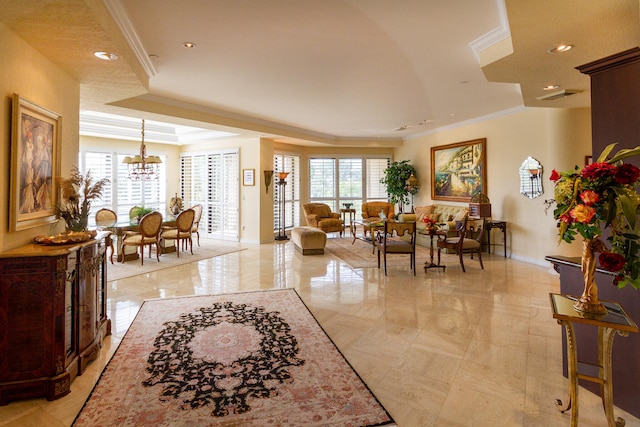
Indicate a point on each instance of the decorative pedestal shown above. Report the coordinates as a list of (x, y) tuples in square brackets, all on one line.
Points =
[(614, 321)]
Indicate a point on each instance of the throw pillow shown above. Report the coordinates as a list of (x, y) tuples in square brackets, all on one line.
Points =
[(425, 210), (460, 215)]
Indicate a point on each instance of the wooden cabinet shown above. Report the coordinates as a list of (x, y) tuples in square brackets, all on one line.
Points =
[(52, 316)]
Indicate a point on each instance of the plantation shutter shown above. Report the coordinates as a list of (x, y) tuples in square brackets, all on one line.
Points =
[(212, 180), (375, 172)]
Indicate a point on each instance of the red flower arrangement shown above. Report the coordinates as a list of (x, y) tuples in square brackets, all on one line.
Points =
[(430, 222), (603, 195)]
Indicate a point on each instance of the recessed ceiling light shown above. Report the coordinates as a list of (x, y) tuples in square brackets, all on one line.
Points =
[(561, 48), (189, 45), (107, 56), (551, 87)]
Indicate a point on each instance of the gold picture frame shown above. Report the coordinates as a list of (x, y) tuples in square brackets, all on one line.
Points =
[(35, 135), (459, 171), (248, 177)]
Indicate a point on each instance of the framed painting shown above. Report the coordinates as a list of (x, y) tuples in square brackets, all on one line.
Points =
[(35, 134), (459, 171), (248, 177)]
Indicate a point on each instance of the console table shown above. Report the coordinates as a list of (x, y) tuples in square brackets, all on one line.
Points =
[(501, 225), (616, 321)]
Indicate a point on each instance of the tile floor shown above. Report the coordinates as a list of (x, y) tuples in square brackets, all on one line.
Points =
[(438, 349)]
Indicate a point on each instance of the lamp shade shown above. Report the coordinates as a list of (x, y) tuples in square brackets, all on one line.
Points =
[(413, 181)]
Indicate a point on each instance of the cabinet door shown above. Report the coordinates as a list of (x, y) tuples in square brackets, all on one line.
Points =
[(87, 294), (32, 297), (70, 280)]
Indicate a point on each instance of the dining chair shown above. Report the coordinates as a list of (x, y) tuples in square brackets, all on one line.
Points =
[(147, 236), (107, 218), (469, 240), (196, 221), (397, 238), (181, 233)]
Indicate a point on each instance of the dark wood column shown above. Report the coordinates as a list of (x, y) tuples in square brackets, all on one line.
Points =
[(615, 100), (615, 115)]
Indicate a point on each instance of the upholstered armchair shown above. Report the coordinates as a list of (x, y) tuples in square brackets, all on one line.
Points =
[(181, 233), (319, 215), (371, 210), (147, 236)]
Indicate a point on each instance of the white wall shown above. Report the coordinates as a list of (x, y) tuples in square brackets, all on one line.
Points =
[(557, 138)]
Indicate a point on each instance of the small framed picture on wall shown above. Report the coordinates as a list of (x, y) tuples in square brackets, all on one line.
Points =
[(248, 177)]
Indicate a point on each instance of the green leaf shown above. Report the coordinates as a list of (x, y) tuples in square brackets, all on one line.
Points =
[(605, 152), (624, 153), (628, 209)]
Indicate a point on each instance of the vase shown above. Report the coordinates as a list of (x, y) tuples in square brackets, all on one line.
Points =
[(78, 224), (589, 302)]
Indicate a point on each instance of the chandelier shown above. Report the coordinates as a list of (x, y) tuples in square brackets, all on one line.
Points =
[(142, 167)]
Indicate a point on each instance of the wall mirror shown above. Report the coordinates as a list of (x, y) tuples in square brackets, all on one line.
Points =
[(531, 178)]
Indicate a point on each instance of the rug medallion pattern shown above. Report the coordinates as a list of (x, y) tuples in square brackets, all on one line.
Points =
[(239, 351)]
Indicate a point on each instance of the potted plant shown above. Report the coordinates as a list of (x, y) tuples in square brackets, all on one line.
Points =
[(77, 193), (138, 212), (395, 178)]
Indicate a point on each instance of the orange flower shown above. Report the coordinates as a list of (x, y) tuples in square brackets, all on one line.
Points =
[(589, 197), (582, 213)]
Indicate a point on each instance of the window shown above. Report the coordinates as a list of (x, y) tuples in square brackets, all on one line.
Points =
[(212, 180), (121, 194), (290, 191), (336, 181)]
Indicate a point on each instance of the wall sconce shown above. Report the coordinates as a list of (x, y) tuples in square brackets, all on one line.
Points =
[(267, 179)]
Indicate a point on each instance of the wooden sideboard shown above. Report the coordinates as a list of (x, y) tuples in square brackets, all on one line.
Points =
[(53, 316)]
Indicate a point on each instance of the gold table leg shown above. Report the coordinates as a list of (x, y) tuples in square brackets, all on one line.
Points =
[(572, 361), (605, 348)]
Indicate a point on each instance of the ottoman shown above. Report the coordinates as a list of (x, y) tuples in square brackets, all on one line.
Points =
[(309, 240)]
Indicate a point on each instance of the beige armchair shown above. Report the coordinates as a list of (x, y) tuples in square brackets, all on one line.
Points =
[(106, 218), (469, 240), (319, 215), (196, 221), (148, 236), (371, 210), (181, 233)]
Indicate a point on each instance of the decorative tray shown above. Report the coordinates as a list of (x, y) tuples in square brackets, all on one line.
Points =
[(66, 238)]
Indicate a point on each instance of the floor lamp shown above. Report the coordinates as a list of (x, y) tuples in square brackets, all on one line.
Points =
[(282, 176), (412, 186)]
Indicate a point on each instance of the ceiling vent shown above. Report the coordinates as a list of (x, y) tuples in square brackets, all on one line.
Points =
[(558, 94)]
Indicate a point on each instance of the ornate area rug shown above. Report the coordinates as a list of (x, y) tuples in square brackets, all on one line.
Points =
[(360, 255), (208, 249), (248, 359)]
